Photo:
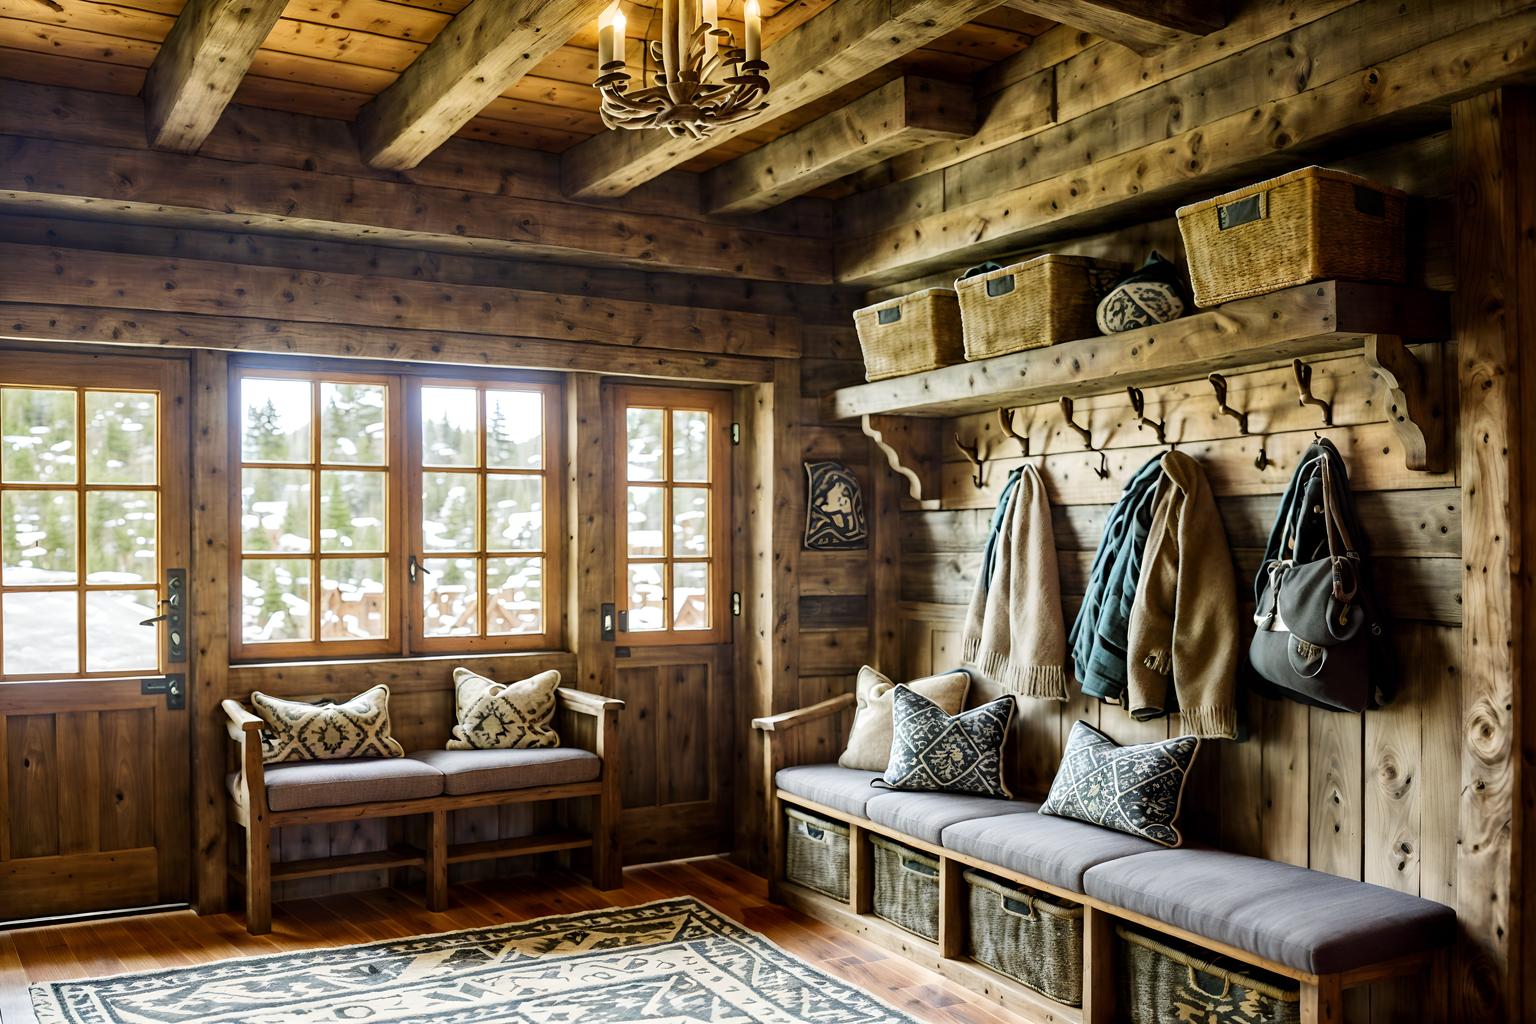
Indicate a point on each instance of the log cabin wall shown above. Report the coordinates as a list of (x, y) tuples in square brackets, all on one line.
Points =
[(275, 238)]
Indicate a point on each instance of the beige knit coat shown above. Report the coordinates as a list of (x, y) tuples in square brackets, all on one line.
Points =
[(1184, 621), (1014, 631)]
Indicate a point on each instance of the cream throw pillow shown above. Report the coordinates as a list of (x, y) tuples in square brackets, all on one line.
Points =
[(296, 731), (504, 716), (869, 741)]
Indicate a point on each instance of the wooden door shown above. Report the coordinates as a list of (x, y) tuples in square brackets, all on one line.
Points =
[(94, 759), (672, 580)]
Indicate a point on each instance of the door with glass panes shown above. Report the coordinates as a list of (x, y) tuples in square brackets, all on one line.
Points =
[(672, 510), (93, 645)]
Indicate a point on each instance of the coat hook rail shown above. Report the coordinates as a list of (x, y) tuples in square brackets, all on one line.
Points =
[(1102, 471), (1304, 386), (1006, 419), (1219, 385), (972, 453), (1139, 408)]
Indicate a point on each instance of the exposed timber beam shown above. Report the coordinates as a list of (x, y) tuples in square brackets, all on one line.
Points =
[(842, 44), (484, 50), (1409, 91), (902, 115), (200, 65), (145, 187), (1142, 25)]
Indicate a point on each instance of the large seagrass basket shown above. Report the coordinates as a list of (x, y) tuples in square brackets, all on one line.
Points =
[(1160, 983), (1032, 937), (816, 853), (1039, 302), (1310, 225), (910, 334), (906, 888)]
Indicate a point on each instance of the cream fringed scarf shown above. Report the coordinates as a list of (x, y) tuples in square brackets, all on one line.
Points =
[(1014, 631)]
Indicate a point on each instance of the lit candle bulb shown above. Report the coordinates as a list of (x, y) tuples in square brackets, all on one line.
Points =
[(605, 35), (754, 21), (618, 36)]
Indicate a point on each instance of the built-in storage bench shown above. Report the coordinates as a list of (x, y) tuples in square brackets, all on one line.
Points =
[(1316, 932)]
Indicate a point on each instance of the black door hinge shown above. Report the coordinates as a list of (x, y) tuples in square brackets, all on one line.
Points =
[(174, 687)]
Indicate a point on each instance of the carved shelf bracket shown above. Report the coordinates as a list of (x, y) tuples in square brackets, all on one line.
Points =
[(911, 447), (1414, 406)]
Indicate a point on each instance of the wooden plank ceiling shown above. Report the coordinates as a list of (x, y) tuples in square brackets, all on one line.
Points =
[(330, 57)]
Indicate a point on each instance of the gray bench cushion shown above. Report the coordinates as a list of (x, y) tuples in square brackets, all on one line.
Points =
[(487, 771), (925, 815), (1054, 850), (843, 789), (355, 780), (1309, 920)]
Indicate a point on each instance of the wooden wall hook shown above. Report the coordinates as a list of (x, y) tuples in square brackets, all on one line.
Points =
[(1139, 408), (1304, 387), (1005, 419), (1102, 471), (972, 453)]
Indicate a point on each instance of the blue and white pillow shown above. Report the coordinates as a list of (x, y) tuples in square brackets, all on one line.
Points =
[(938, 752), (1137, 789)]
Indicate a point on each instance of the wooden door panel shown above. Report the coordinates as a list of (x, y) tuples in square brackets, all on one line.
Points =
[(94, 772), (636, 687), (688, 769)]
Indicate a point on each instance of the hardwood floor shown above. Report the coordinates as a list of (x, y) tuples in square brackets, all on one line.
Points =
[(95, 948)]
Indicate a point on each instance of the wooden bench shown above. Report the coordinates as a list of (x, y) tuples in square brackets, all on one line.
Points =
[(1079, 875), (588, 725)]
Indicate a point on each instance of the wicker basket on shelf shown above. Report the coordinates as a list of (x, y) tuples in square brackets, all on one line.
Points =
[(906, 888), (1159, 983), (1034, 938), (910, 334), (1310, 225), (1039, 302), (816, 853)]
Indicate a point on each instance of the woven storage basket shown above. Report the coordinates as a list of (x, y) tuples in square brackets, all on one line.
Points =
[(910, 334), (1309, 225), (1032, 304), (1033, 938), (1160, 983), (906, 888), (816, 853)]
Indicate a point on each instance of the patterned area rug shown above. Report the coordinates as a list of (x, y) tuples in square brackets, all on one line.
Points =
[(674, 961)]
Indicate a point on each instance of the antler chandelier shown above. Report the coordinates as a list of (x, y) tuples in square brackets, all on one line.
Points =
[(702, 78)]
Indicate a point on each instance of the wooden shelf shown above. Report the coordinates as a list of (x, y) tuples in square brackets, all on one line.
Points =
[(1324, 318)]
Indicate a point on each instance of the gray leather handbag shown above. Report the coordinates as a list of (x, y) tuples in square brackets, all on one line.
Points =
[(1317, 638)]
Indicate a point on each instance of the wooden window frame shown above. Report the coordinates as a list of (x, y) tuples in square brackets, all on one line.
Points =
[(123, 375), (393, 641), (553, 474), (721, 406), (403, 510)]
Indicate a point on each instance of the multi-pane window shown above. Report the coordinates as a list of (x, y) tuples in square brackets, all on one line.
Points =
[(315, 523), (80, 497), (391, 514), (674, 486), (485, 528)]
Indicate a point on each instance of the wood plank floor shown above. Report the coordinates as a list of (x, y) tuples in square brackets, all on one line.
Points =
[(95, 948)]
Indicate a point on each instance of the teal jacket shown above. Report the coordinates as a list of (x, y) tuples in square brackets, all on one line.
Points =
[(1098, 635)]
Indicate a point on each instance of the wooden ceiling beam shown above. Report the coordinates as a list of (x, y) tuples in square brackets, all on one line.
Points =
[(904, 114), (1141, 25), (484, 51), (199, 67), (1406, 93), (841, 45)]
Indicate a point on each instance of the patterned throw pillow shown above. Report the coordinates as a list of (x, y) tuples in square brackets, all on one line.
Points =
[(296, 731), (504, 716), (946, 753), (869, 739), (1134, 789)]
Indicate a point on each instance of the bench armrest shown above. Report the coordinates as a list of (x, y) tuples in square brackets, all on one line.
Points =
[(584, 702), (245, 729), (788, 720)]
